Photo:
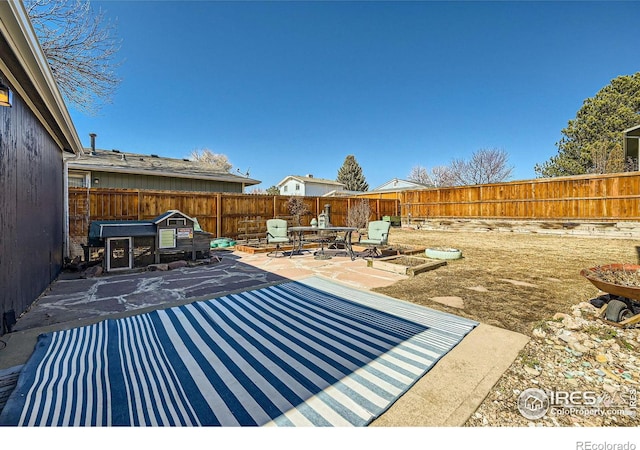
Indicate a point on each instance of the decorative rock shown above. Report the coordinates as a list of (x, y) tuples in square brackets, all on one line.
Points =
[(539, 333), (601, 358), (93, 271), (586, 305), (567, 337), (578, 347), (177, 264), (570, 323), (531, 371)]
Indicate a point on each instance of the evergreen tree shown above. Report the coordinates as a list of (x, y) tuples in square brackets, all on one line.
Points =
[(350, 174), (592, 142), (273, 190)]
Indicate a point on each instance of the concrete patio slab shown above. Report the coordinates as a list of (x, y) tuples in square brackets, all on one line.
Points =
[(446, 396)]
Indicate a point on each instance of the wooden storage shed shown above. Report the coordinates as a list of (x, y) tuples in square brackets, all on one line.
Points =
[(128, 244)]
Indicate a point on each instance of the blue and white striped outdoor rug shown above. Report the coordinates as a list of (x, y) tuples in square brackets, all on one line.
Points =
[(311, 353)]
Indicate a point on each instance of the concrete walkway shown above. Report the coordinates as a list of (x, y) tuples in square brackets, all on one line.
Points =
[(446, 396)]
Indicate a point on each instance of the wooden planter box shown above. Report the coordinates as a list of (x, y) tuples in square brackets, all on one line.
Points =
[(265, 248), (405, 265)]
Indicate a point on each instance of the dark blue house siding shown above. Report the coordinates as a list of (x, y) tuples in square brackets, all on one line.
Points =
[(31, 208)]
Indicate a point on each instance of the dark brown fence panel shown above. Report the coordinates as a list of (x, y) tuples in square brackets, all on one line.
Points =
[(79, 216), (113, 204)]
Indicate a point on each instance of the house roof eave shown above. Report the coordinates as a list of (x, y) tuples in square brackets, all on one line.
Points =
[(74, 165)]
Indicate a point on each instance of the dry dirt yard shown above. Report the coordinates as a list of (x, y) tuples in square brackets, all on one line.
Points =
[(531, 283)]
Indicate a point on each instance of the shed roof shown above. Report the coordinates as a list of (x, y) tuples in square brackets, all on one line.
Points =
[(170, 213), (120, 228), (125, 162)]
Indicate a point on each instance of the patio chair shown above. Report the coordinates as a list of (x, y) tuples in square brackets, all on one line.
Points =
[(377, 236), (278, 234)]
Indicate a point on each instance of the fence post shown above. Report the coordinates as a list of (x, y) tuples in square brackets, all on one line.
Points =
[(218, 214)]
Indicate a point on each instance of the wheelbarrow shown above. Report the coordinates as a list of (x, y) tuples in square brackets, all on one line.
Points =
[(618, 311)]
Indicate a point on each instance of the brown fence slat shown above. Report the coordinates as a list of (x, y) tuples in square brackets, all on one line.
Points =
[(606, 198), (222, 214)]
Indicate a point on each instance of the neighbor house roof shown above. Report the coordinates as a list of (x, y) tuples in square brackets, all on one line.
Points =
[(397, 184), (310, 179), (342, 193), (25, 67), (125, 162)]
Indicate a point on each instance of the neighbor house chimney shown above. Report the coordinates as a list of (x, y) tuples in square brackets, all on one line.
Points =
[(93, 143)]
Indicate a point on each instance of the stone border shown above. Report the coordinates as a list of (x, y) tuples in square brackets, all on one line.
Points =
[(622, 230)]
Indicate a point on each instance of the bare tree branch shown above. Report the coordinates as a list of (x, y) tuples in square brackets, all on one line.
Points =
[(485, 166), (216, 161), (439, 176), (80, 46)]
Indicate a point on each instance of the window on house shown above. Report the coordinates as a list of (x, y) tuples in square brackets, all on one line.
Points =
[(77, 181), (297, 187), (174, 222), (286, 188)]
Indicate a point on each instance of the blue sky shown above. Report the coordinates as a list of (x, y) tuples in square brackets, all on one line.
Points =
[(287, 88)]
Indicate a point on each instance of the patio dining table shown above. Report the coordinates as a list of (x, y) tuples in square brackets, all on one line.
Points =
[(325, 235)]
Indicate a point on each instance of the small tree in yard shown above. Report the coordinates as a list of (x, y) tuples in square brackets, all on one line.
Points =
[(359, 214), (297, 208)]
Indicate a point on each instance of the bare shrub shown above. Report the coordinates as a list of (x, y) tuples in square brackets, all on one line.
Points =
[(359, 214), (297, 208)]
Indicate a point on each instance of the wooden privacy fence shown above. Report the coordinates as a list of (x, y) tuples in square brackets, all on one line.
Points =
[(605, 198), (222, 214)]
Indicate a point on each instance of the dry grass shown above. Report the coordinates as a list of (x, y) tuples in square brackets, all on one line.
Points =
[(527, 277)]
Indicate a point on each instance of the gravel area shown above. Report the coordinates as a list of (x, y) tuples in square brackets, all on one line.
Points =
[(580, 370)]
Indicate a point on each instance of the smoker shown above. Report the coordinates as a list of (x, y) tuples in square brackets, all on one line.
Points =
[(324, 218)]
